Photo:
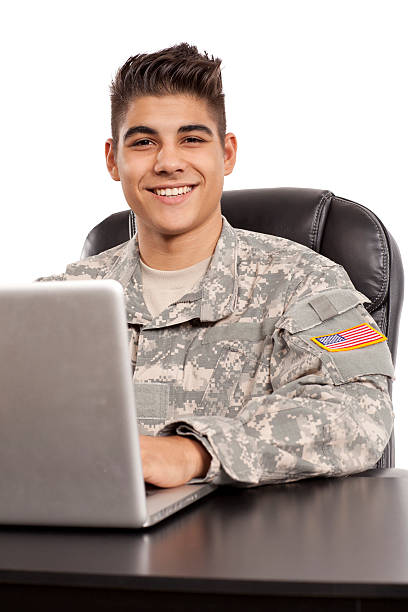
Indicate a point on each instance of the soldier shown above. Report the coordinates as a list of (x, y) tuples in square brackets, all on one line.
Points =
[(254, 360)]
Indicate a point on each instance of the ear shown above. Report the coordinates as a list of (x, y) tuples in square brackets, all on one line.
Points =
[(230, 153), (110, 160)]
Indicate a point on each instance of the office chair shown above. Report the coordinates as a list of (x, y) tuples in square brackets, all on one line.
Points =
[(342, 230)]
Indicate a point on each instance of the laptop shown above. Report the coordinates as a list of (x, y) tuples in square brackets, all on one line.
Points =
[(69, 444)]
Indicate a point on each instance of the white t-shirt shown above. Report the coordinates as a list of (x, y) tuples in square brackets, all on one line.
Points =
[(163, 287)]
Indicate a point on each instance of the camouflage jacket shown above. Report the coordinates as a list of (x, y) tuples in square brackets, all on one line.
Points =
[(233, 362)]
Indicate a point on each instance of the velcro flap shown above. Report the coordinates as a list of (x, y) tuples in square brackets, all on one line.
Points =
[(323, 307), (311, 311)]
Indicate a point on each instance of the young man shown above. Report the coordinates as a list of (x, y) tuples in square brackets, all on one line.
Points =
[(231, 385)]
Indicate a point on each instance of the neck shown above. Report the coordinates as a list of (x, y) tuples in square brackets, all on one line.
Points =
[(164, 252)]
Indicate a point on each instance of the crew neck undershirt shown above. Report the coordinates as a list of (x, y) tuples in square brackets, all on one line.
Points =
[(163, 287)]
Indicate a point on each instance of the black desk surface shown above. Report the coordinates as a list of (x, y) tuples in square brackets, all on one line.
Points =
[(321, 539)]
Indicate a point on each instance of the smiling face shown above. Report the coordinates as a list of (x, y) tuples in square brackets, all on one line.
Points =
[(167, 142)]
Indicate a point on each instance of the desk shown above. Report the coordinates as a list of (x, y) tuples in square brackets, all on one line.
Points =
[(321, 544)]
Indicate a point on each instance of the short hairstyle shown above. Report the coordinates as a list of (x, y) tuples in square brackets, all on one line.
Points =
[(180, 69)]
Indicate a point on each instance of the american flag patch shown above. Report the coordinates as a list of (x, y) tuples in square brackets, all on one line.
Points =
[(348, 339)]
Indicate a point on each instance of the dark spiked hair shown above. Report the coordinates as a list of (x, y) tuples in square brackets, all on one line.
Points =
[(180, 69)]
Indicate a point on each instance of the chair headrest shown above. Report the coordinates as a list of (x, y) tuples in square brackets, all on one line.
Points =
[(340, 229)]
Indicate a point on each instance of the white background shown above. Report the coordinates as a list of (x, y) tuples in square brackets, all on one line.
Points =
[(315, 93)]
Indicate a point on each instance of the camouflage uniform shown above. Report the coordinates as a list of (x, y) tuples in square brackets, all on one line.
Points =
[(232, 362)]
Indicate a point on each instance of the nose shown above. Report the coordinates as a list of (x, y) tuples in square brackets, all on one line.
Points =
[(169, 159)]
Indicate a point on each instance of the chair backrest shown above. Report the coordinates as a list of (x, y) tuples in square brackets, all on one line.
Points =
[(342, 230)]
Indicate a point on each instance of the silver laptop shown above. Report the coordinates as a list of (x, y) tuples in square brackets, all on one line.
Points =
[(69, 444)]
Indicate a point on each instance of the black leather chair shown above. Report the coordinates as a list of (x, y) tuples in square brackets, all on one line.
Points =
[(342, 230)]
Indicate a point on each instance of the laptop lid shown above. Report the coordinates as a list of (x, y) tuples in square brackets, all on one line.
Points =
[(69, 445)]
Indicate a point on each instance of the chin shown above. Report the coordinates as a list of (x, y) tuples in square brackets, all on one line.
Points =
[(174, 229), (177, 224)]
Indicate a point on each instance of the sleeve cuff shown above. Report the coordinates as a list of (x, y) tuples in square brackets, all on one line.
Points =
[(215, 474)]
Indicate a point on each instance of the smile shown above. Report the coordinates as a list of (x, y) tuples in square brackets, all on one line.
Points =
[(173, 191), (176, 195)]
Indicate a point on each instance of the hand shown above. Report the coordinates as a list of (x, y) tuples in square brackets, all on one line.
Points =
[(170, 461)]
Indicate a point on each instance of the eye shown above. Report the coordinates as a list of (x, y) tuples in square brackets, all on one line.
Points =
[(141, 142), (193, 138)]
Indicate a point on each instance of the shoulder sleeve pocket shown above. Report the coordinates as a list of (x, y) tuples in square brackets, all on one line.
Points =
[(325, 316)]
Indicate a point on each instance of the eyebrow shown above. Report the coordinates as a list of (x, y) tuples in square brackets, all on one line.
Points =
[(144, 129)]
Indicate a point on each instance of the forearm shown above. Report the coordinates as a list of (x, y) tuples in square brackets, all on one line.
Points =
[(300, 431)]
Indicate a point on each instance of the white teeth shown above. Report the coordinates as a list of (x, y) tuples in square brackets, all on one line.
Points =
[(173, 192)]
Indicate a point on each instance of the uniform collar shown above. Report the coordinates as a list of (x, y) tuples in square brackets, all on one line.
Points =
[(220, 283), (127, 271), (213, 300)]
